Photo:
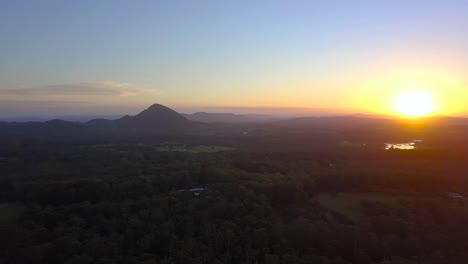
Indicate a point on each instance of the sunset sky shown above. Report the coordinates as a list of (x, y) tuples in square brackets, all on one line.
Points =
[(117, 57)]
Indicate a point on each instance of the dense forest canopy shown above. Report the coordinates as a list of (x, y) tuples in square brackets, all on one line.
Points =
[(301, 191)]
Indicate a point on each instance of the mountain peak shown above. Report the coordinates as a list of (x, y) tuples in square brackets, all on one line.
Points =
[(157, 107), (158, 111), (157, 116)]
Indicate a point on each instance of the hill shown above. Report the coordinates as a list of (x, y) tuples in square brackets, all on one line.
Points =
[(157, 117)]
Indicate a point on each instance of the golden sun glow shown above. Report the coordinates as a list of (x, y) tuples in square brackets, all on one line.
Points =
[(414, 104)]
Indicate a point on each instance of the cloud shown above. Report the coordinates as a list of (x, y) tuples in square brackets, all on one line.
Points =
[(103, 88)]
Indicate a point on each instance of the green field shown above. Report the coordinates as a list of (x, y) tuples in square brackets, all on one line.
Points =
[(193, 149), (168, 148)]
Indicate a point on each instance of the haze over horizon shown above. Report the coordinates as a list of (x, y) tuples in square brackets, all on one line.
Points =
[(332, 57)]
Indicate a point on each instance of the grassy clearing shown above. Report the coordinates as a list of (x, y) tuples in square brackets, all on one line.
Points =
[(193, 149), (349, 204), (168, 148)]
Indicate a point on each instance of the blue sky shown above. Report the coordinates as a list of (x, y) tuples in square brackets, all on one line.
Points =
[(195, 54)]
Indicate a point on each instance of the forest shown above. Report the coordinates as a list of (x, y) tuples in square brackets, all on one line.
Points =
[(263, 199)]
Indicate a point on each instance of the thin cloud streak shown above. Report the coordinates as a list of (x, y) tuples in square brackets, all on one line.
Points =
[(104, 88)]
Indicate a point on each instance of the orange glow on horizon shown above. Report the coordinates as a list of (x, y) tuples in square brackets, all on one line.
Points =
[(413, 93)]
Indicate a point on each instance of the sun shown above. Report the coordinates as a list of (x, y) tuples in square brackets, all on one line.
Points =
[(414, 104)]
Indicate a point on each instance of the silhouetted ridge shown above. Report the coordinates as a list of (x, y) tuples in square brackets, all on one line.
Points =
[(160, 113), (155, 117)]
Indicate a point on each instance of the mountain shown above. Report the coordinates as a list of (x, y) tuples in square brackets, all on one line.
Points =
[(158, 118)]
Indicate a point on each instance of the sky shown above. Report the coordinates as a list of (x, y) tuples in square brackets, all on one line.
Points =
[(119, 57)]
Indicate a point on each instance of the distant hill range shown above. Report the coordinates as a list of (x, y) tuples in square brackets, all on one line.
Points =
[(157, 117), (229, 118)]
